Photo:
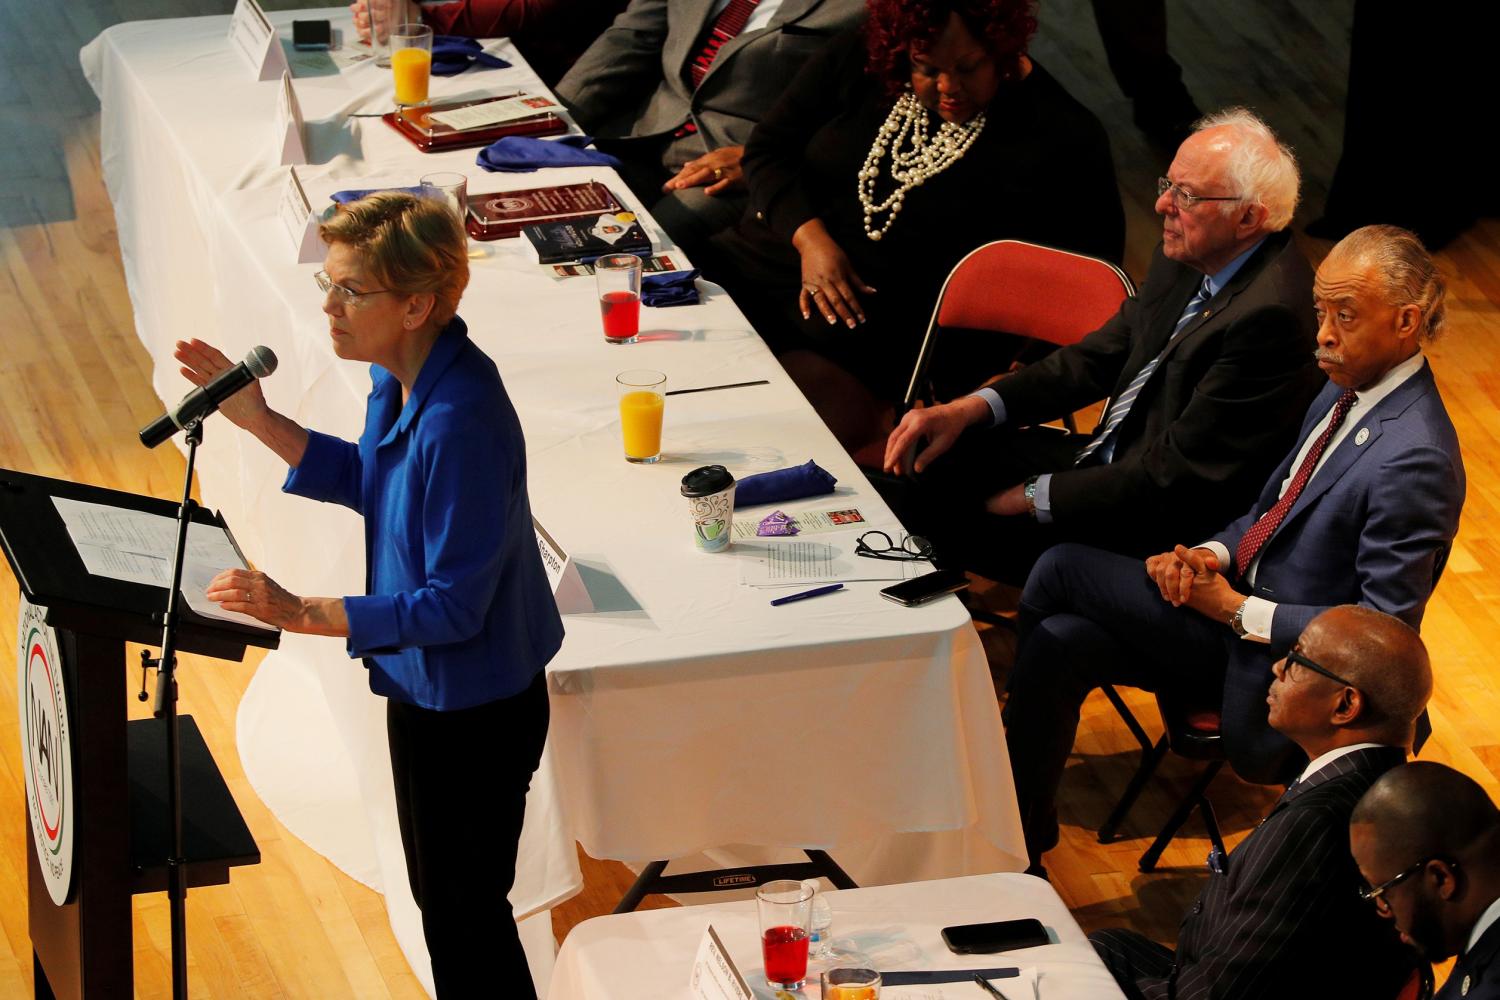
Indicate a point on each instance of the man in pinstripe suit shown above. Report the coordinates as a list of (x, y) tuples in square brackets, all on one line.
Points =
[(1281, 914)]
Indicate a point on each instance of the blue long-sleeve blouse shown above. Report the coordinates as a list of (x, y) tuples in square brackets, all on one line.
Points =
[(458, 610)]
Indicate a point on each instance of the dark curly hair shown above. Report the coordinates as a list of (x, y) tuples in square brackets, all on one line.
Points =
[(1003, 27)]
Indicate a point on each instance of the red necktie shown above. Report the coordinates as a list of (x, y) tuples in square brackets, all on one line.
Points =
[(1264, 528), (730, 23)]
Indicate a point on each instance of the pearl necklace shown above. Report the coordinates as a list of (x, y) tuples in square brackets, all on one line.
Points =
[(907, 123)]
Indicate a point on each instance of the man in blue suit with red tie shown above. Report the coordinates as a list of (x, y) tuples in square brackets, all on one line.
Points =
[(1362, 511)]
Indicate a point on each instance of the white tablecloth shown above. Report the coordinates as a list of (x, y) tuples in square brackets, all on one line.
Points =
[(689, 715), (650, 954)]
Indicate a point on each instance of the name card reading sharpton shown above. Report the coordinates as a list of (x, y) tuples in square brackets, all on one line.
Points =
[(714, 974), (299, 220), (253, 37), (495, 112), (289, 128), (568, 591)]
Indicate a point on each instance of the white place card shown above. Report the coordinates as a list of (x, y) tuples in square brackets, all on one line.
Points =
[(299, 220), (714, 974), (289, 129), (567, 585), (253, 37)]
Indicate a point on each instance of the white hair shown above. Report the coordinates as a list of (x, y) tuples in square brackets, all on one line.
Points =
[(1260, 166)]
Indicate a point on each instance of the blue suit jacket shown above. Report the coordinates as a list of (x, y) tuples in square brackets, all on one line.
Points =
[(457, 611), (1478, 967), (1372, 527)]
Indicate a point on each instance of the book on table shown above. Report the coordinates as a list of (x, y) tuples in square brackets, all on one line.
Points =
[(588, 239), (505, 213), (423, 127)]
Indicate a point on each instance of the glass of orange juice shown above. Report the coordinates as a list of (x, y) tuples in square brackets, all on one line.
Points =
[(851, 984), (642, 400), (411, 63)]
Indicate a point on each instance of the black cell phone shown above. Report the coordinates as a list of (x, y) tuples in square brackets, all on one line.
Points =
[(1002, 935), (924, 588), (311, 35)]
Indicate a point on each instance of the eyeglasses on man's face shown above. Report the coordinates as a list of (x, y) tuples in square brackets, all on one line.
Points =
[(345, 296), (879, 545), (1294, 656), (1186, 200), (1376, 894)]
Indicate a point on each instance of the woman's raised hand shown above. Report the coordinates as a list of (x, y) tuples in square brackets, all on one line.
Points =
[(202, 362)]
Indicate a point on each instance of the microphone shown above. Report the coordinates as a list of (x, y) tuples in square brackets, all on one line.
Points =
[(205, 399)]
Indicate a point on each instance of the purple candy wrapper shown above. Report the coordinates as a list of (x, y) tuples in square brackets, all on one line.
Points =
[(776, 523)]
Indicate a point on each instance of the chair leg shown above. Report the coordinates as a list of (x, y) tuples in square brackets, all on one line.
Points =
[(1198, 793), (1128, 716), (1150, 758)]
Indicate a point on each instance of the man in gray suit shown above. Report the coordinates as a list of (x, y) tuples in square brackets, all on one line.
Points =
[(674, 87)]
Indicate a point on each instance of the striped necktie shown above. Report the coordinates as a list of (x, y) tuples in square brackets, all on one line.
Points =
[(731, 22), (1121, 405), (1261, 531)]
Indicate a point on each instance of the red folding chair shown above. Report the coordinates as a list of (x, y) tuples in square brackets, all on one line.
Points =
[(1023, 289)]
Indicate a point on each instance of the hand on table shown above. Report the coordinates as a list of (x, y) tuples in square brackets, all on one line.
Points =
[(383, 14), (202, 362), (828, 279), (940, 425), (1191, 577), (719, 169)]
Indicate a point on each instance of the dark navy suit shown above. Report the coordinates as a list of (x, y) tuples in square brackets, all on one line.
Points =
[(1372, 527), (1283, 918), (1476, 974)]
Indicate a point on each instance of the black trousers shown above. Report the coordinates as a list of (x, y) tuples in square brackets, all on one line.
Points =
[(1141, 967), (461, 779), (1090, 617)]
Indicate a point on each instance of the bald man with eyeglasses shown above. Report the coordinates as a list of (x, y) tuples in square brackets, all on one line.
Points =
[(1281, 914)]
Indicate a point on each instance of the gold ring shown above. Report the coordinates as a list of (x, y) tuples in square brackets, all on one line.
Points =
[(718, 173)]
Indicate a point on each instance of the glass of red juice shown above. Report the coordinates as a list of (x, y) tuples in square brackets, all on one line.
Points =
[(618, 276), (785, 921)]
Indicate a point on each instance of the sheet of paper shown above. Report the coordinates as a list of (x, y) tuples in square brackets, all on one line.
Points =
[(808, 522), (782, 562), (137, 547), (482, 115)]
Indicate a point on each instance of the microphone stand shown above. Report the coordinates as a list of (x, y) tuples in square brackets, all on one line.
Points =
[(166, 709)]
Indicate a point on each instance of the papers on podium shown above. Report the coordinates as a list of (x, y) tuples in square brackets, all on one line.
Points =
[(251, 35), (136, 547)]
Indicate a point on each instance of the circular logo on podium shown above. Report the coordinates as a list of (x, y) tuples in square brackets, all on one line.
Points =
[(46, 755)]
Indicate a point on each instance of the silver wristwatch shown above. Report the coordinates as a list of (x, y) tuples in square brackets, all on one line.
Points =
[(1029, 491), (1237, 620)]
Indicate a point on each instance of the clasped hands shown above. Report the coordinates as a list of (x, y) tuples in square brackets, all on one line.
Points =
[(1191, 578)]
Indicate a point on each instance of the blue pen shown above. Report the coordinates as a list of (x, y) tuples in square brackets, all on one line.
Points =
[(815, 592)]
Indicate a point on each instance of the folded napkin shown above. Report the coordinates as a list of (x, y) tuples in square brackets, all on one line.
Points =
[(521, 154), (783, 484), (354, 194), (944, 976), (675, 288), (452, 54)]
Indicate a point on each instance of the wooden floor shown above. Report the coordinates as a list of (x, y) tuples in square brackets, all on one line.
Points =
[(74, 386)]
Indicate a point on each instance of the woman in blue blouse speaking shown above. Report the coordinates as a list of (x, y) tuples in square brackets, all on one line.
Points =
[(459, 619)]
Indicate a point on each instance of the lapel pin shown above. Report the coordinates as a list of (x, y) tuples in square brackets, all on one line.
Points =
[(1362, 436)]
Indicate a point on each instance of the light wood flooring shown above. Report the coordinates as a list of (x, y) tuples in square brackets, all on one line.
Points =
[(74, 386)]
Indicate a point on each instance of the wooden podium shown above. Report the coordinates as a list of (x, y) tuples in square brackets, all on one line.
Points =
[(114, 801)]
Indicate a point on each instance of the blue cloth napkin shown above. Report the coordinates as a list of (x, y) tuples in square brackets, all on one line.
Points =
[(354, 194), (674, 288), (783, 484), (522, 154), (452, 54), (944, 976)]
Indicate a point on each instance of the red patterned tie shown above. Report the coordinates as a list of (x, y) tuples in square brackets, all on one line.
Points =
[(1264, 528), (730, 23)]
